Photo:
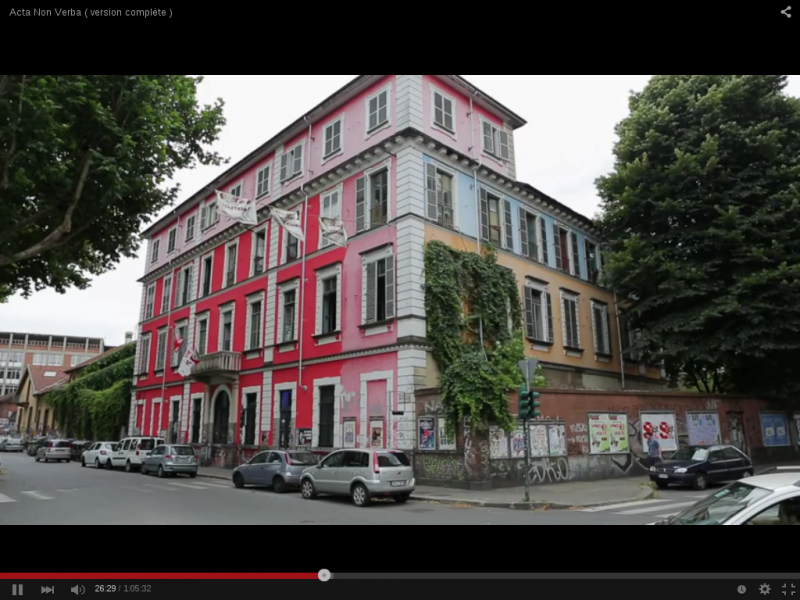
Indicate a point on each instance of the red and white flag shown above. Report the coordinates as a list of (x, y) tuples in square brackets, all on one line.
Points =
[(178, 341), (190, 359)]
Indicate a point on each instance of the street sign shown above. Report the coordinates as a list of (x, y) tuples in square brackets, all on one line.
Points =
[(528, 368)]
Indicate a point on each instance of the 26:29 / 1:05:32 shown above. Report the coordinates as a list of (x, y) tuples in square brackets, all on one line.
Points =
[(134, 588)]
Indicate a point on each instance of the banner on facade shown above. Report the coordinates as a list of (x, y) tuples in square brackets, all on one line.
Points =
[(703, 428), (190, 359), (237, 208), (498, 442), (290, 221), (333, 230), (774, 429), (661, 425)]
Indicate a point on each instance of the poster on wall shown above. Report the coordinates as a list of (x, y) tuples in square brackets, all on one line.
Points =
[(349, 433), (445, 441), (303, 437), (427, 434), (774, 429), (376, 433), (608, 433), (662, 425), (518, 443), (558, 439), (498, 442), (703, 428), (539, 445)]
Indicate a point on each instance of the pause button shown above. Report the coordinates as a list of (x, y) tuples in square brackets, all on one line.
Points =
[(16, 589)]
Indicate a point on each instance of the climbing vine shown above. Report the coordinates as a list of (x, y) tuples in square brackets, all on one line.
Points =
[(474, 321)]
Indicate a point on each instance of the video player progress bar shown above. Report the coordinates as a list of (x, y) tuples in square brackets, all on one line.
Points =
[(661, 575)]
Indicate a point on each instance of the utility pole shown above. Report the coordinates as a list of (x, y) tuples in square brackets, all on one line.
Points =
[(527, 406)]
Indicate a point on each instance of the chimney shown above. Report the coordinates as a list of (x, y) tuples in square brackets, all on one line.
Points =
[(128, 337)]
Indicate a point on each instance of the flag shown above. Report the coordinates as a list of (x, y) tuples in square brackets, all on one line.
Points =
[(178, 341), (190, 359), (237, 208), (333, 230), (290, 221)]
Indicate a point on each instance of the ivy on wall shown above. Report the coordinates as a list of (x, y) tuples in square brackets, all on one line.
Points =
[(464, 293), (96, 405)]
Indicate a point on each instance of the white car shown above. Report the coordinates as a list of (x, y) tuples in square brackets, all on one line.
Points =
[(12, 444), (772, 498), (99, 455), (131, 451)]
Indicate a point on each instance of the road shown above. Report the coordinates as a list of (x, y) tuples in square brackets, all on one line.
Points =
[(65, 493)]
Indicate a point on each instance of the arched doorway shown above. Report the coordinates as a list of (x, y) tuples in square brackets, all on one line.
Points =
[(222, 410)]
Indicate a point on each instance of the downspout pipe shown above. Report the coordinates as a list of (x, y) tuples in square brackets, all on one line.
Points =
[(301, 316), (477, 198)]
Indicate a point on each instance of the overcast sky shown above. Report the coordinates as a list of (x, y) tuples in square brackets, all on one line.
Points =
[(566, 144)]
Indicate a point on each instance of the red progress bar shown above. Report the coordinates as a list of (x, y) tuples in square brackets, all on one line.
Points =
[(159, 576)]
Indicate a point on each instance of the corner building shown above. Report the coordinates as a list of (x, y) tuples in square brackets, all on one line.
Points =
[(318, 346)]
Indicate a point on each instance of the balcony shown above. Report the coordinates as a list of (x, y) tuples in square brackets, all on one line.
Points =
[(218, 367)]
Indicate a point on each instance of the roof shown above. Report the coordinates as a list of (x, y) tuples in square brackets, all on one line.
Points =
[(7, 398), (774, 481), (39, 382), (94, 359), (341, 95)]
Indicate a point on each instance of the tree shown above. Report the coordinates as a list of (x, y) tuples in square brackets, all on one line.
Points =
[(84, 161), (702, 220)]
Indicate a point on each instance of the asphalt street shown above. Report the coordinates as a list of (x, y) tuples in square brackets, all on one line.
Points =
[(66, 493)]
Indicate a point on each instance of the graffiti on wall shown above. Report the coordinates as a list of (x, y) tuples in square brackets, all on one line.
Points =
[(549, 470), (578, 441), (441, 466)]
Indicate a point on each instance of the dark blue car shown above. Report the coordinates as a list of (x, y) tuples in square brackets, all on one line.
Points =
[(698, 466)]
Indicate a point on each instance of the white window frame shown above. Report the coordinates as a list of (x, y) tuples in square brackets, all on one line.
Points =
[(228, 246), (206, 206), (204, 318), (285, 235), (172, 232), (256, 231), (367, 176), (505, 244), (239, 184), (182, 276), (226, 308), (155, 248), (368, 133), (203, 275), (259, 297), (322, 275), (267, 180), (366, 259), (336, 151), (190, 231), (495, 152), (165, 331), (338, 190), (541, 288), (441, 126), (150, 301), (282, 289), (454, 176), (538, 224), (177, 356), (569, 297), (166, 299), (299, 146), (603, 307)]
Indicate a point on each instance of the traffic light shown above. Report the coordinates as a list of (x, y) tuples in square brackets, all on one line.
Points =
[(528, 404)]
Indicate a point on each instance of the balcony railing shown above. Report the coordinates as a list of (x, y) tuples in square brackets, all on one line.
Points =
[(217, 365)]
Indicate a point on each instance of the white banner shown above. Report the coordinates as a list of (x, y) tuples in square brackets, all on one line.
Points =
[(190, 359), (290, 221), (237, 208), (333, 230)]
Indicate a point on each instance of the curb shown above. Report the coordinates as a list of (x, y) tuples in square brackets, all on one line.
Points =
[(214, 476)]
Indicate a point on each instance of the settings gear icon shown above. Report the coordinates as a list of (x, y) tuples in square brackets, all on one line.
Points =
[(764, 589)]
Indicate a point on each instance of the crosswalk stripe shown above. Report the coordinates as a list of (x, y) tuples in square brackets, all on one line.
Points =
[(191, 486), (606, 507), (641, 511), (4, 499), (160, 487), (38, 495), (217, 485)]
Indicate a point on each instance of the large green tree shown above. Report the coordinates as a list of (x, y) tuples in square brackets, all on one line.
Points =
[(702, 220), (84, 163)]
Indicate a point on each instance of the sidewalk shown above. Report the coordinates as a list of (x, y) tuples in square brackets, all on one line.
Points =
[(555, 496)]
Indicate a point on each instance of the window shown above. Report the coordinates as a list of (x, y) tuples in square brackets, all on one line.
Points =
[(262, 181), (172, 238), (181, 331), (289, 307), (592, 261), (13, 375), (236, 190), (329, 207), (254, 340), (208, 263), (291, 245), (566, 244), (631, 340), (161, 349), (443, 111), (202, 335), (538, 312), (333, 138), (144, 357), (491, 220), (372, 200), (569, 320), (154, 251), (166, 295), (495, 141), (334, 460), (327, 399), (377, 110), (439, 194), (208, 215), (601, 326), (292, 162), (259, 459), (527, 234), (151, 298), (39, 359), (328, 300), (259, 251), (545, 251), (77, 359), (184, 295), (230, 264), (226, 329), (190, 227), (785, 512), (379, 290), (329, 293), (251, 403), (55, 360)]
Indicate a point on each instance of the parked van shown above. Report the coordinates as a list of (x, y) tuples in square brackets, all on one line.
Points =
[(132, 451)]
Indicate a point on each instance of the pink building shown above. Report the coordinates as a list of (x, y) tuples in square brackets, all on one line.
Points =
[(310, 344)]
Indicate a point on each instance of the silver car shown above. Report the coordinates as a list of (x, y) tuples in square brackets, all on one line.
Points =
[(57, 450), (278, 469), (171, 459), (362, 475), (11, 444)]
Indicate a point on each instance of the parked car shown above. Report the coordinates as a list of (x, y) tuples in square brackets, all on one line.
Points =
[(278, 469), (57, 450), (131, 451), (98, 454), (772, 499), (11, 444), (362, 475), (78, 448), (34, 444), (700, 465), (171, 459)]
